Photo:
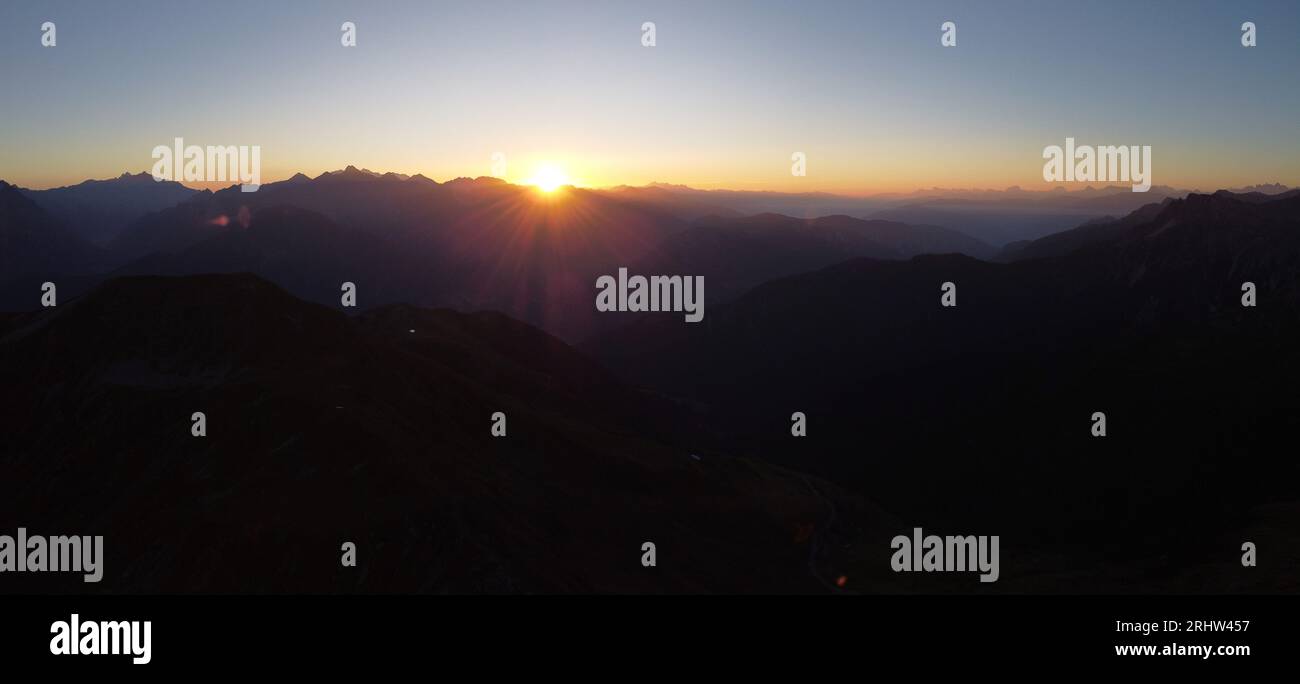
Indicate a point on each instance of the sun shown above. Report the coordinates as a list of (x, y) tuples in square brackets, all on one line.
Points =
[(548, 177)]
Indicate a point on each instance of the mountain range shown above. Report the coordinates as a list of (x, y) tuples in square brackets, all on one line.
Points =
[(475, 296), (98, 210), (468, 243)]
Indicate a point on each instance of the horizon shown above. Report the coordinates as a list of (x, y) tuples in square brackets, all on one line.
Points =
[(216, 186), (721, 101)]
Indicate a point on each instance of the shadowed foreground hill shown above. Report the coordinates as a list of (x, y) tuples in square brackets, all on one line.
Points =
[(324, 428)]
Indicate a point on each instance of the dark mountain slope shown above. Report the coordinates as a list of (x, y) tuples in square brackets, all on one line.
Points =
[(980, 415), (1110, 230), (1097, 231), (36, 248), (34, 243), (97, 210), (375, 429), (736, 254)]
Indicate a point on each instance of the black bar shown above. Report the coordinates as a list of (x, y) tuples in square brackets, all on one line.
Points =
[(251, 633)]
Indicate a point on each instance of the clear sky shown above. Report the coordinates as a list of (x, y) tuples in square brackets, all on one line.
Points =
[(729, 92)]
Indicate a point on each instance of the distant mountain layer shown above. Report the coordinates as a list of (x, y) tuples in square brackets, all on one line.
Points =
[(736, 254), (690, 203), (481, 243), (98, 210)]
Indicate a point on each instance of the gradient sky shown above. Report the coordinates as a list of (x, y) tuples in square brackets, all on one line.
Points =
[(730, 91)]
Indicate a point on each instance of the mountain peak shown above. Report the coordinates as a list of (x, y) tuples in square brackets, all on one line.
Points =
[(350, 172), (141, 177), (467, 182)]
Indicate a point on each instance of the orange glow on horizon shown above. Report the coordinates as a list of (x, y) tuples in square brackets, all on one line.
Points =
[(548, 177)]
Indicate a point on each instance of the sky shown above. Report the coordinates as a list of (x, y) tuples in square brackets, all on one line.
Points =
[(727, 94)]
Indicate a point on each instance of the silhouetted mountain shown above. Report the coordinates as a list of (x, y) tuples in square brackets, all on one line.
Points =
[(1262, 188), (993, 216), (468, 243), (97, 210), (979, 416), (36, 248), (299, 250), (995, 224), (735, 254), (481, 243), (1257, 196), (352, 173), (691, 203), (360, 200), (1004, 218), (1060, 195), (485, 244), (375, 429), (1122, 200), (675, 201), (1110, 230), (885, 238), (168, 230), (1098, 230)]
